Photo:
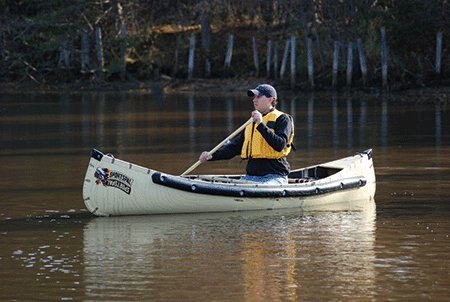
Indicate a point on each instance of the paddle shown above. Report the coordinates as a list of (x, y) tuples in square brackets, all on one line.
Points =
[(236, 132)]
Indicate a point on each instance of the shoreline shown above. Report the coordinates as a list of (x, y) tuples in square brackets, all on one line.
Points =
[(165, 85), (203, 86)]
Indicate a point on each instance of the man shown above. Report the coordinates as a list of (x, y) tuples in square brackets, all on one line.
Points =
[(265, 143)]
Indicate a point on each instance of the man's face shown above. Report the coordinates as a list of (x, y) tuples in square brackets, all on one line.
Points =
[(262, 103)]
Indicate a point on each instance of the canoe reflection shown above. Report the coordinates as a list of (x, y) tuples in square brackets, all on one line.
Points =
[(269, 255)]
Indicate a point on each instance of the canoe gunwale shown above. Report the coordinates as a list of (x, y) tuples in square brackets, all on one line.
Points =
[(236, 190)]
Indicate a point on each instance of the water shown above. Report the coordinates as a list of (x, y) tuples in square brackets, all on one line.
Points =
[(52, 249)]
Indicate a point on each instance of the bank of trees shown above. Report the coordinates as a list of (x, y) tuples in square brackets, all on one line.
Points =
[(42, 40)]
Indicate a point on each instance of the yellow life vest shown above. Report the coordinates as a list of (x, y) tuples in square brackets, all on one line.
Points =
[(255, 146)]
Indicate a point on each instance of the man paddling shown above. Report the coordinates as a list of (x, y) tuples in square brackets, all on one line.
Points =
[(265, 143)]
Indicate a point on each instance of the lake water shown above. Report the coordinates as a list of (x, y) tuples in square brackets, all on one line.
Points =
[(52, 249)]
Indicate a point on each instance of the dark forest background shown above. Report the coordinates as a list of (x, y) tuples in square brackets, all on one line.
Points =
[(34, 33)]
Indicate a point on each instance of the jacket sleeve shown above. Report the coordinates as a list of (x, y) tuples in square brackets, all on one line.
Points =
[(230, 149), (277, 138)]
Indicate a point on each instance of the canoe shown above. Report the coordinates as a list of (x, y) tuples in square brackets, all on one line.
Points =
[(114, 187)]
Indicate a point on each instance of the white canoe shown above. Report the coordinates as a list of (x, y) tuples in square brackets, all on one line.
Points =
[(116, 187)]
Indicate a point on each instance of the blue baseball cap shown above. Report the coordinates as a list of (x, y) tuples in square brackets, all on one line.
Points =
[(263, 89)]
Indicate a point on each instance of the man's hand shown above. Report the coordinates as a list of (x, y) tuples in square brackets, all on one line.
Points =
[(204, 156), (257, 117)]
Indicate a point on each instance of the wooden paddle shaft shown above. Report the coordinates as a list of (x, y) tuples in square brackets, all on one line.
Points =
[(236, 132)]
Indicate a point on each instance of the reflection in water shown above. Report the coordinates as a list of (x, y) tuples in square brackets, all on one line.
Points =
[(335, 115), (384, 125), (362, 125), (270, 256), (206, 125), (349, 124), (123, 122), (310, 120), (229, 114), (192, 133), (438, 123)]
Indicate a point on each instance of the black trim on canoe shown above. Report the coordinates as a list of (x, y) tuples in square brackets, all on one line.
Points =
[(96, 154), (368, 152), (236, 190)]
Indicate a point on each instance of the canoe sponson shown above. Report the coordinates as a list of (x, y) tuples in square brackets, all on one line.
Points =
[(214, 188)]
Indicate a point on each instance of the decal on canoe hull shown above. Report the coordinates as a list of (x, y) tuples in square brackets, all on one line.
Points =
[(114, 179)]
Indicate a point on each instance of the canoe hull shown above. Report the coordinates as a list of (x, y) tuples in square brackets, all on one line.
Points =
[(116, 187)]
